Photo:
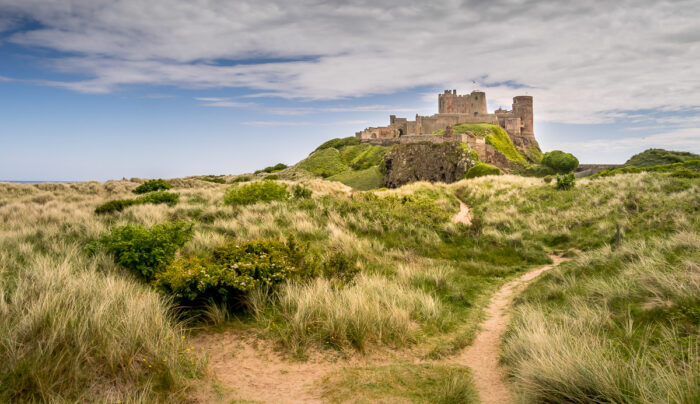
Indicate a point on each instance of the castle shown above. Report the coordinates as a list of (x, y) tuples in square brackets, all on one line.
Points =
[(454, 109)]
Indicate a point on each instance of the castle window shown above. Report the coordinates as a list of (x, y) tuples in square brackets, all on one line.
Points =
[(476, 113)]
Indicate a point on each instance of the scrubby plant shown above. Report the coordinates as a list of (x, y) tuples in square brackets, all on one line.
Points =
[(243, 178), (168, 198), (272, 177), (152, 185), (559, 161), (566, 181), (548, 179), (144, 251), (482, 169), (275, 168), (228, 272), (116, 205), (260, 191), (301, 192)]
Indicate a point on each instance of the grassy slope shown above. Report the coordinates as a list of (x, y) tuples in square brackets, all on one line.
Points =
[(655, 157), (426, 279), (496, 137), (345, 160)]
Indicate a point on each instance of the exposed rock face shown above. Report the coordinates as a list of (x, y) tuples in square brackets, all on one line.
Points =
[(443, 162)]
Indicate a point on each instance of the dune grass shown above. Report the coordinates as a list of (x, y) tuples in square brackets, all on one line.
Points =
[(382, 268), (616, 325), (423, 383)]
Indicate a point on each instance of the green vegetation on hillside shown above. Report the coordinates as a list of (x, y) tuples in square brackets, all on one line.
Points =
[(688, 168), (337, 271), (495, 136), (559, 161), (656, 157), (482, 169), (360, 166)]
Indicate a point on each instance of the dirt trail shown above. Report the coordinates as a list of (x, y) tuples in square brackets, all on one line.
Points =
[(482, 355), (251, 370), (463, 215)]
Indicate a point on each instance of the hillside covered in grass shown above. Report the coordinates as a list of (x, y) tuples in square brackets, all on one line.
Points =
[(100, 307), (496, 137), (656, 157), (360, 166)]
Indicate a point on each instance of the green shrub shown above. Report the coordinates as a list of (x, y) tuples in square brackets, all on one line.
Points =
[(272, 177), (152, 185), (566, 181), (116, 205), (548, 178), (275, 168), (169, 198), (684, 173), (145, 251), (243, 178), (260, 191), (339, 142), (482, 169), (301, 192), (228, 273), (559, 161)]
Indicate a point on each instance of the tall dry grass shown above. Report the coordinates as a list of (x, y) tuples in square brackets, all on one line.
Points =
[(75, 328), (614, 326)]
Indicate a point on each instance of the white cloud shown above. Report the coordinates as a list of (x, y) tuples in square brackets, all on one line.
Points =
[(582, 61)]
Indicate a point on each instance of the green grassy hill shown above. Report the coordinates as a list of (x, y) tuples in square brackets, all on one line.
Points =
[(495, 136), (360, 166), (655, 157)]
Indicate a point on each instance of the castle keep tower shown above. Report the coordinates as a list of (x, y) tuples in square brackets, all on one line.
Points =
[(451, 103)]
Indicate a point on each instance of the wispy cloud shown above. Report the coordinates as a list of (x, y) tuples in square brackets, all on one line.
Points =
[(604, 57), (685, 139)]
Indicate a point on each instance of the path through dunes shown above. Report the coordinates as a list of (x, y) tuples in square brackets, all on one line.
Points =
[(463, 215), (482, 355)]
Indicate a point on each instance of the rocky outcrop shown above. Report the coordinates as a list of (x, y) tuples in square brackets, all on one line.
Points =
[(443, 162)]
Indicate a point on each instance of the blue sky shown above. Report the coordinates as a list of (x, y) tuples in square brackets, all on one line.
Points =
[(105, 90)]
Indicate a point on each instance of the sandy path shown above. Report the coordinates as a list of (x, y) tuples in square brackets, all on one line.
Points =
[(463, 215), (482, 356), (251, 370)]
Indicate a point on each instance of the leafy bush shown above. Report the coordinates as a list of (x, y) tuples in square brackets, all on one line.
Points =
[(339, 142), (272, 169), (655, 157), (559, 161), (260, 191), (145, 251), (116, 205), (152, 185), (684, 173), (566, 181), (548, 178), (159, 197), (244, 178), (301, 192), (272, 177), (482, 169), (228, 272)]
